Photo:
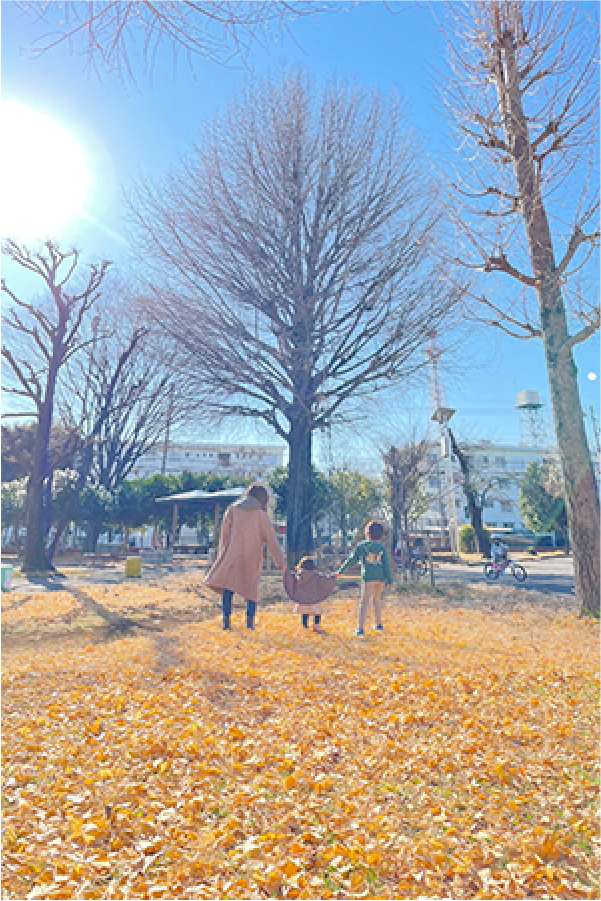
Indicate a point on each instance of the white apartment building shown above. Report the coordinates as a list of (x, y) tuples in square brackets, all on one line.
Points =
[(253, 461), (504, 465)]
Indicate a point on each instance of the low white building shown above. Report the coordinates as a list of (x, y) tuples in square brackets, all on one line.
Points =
[(502, 465), (253, 461)]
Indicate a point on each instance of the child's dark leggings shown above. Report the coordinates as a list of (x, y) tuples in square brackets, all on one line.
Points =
[(316, 618), (226, 605)]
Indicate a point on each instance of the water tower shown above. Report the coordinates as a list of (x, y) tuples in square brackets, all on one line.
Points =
[(532, 424)]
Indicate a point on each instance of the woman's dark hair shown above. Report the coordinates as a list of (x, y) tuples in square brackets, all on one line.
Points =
[(259, 492), (375, 530), (306, 563)]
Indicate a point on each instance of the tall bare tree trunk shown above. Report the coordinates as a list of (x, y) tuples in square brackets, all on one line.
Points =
[(582, 499), (299, 507), (35, 559), (480, 533)]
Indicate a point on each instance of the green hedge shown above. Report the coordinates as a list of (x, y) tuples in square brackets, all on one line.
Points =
[(467, 543), (467, 540)]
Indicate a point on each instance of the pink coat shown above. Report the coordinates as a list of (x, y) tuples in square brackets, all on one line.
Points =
[(246, 529), (309, 588)]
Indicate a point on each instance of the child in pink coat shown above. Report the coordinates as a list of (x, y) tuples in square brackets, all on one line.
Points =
[(309, 588)]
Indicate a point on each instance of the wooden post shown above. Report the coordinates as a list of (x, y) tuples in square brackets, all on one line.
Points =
[(404, 550), (174, 525), (430, 562), (216, 529)]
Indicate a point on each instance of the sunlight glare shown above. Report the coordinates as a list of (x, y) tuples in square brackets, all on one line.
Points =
[(44, 175)]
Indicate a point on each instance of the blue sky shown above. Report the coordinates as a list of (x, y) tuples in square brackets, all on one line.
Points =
[(127, 131)]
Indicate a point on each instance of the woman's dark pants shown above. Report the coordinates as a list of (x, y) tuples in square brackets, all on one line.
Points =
[(226, 605)]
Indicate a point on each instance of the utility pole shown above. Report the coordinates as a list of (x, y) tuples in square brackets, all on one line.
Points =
[(443, 417)]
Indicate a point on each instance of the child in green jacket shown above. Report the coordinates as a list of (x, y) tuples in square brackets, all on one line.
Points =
[(375, 573)]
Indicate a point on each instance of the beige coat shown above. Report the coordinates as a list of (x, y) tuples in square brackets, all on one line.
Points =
[(245, 531)]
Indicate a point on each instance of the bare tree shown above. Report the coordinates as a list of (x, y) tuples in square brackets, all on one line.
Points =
[(479, 487), (292, 263), (405, 469), (120, 395), (524, 98), (115, 32), (40, 339), (91, 416), (125, 396)]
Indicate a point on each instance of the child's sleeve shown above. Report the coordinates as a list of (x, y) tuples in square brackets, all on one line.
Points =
[(387, 568), (350, 560)]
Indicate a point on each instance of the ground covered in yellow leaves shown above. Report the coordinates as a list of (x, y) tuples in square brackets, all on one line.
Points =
[(455, 755)]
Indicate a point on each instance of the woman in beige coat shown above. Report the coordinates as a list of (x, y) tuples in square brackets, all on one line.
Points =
[(245, 530)]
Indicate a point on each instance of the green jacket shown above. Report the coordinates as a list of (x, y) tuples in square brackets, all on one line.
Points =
[(374, 559)]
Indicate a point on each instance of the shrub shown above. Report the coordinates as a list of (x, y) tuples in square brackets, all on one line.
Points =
[(467, 543)]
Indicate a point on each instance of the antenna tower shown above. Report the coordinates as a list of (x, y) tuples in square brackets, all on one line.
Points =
[(437, 394)]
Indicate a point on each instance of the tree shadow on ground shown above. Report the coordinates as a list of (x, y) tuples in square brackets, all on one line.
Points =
[(19, 602), (116, 625), (50, 581)]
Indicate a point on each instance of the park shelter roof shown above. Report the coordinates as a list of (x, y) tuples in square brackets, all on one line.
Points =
[(227, 496)]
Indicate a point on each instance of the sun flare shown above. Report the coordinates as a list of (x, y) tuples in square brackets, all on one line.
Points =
[(44, 172)]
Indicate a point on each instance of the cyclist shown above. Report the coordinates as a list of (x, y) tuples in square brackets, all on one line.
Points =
[(498, 552)]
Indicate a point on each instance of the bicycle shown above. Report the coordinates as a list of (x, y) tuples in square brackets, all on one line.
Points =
[(417, 566), (492, 571)]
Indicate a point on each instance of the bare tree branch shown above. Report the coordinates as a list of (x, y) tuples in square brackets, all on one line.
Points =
[(583, 335), (500, 263), (115, 34), (578, 238)]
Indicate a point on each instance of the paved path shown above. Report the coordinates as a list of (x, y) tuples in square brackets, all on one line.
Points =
[(77, 577), (554, 575)]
